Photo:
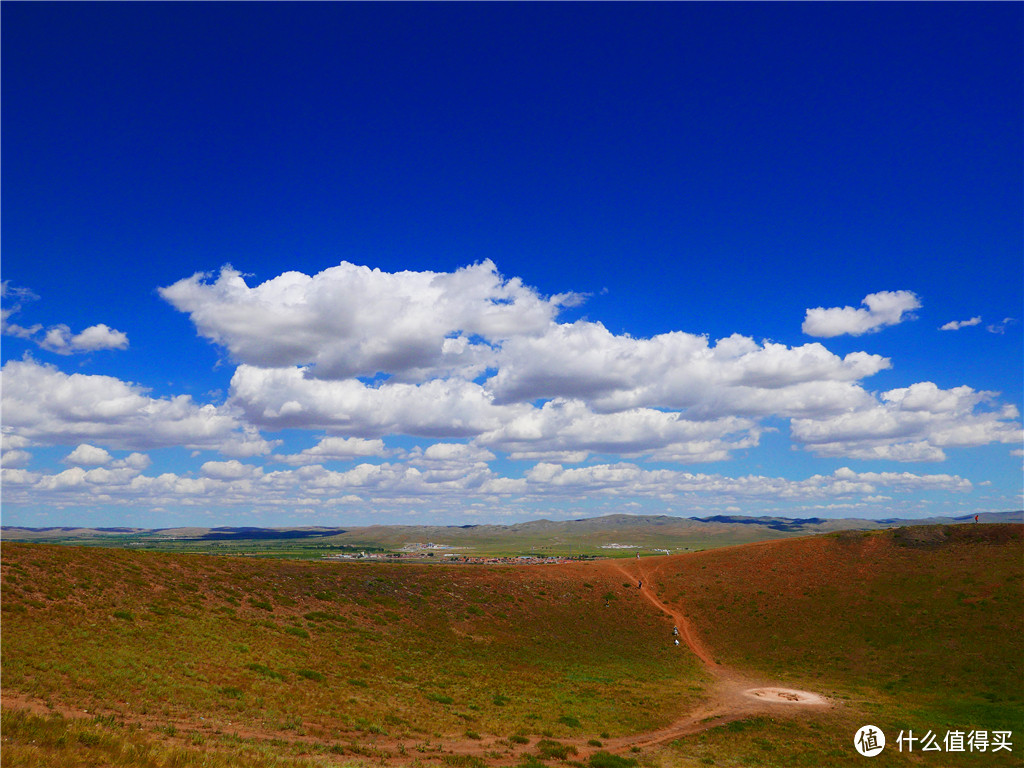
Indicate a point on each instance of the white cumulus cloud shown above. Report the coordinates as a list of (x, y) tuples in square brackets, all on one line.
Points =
[(956, 325), (57, 338), (86, 455), (912, 423), (47, 406), (280, 398), (735, 375), (350, 321), (335, 449), (882, 309)]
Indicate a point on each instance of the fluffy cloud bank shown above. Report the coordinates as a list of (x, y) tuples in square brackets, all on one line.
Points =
[(363, 354), (457, 474), (45, 406), (913, 423), (882, 309), (472, 369)]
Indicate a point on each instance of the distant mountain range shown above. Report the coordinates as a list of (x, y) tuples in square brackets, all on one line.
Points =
[(640, 531)]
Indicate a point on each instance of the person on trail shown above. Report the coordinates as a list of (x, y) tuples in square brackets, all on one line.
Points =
[(975, 518), (676, 641), (640, 585), (675, 630)]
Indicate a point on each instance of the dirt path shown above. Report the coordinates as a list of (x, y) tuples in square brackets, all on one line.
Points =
[(732, 695), (686, 630)]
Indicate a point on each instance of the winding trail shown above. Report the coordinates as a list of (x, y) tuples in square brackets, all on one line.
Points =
[(685, 628), (732, 695)]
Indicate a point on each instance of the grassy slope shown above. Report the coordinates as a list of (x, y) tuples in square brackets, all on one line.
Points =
[(921, 629), (338, 652), (913, 629)]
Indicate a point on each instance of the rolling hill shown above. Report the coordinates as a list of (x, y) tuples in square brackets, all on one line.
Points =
[(121, 657)]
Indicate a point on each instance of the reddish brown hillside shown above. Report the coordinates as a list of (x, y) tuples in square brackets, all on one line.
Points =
[(911, 607)]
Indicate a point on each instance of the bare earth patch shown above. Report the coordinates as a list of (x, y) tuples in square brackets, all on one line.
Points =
[(785, 696)]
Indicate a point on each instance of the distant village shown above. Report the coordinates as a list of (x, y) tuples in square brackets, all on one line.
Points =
[(420, 551)]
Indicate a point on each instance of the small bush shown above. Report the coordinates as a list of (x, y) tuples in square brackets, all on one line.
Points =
[(297, 631), (569, 720), (358, 683), (231, 692), (262, 604), (473, 735), (499, 700), (310, 674), (125, 615), (440, 699), (518, 738), (608, 760), (464, 761), (594, 743), (549, 749), (265, 671)]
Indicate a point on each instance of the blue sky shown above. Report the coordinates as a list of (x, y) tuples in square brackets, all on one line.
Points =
[(284, 264)]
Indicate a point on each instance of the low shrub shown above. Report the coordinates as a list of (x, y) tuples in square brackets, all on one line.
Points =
[(548, 749), (608, 760), (265, 671)]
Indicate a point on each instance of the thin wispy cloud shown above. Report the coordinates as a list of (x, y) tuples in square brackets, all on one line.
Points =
[(1001, 326)]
